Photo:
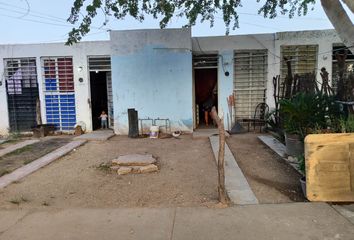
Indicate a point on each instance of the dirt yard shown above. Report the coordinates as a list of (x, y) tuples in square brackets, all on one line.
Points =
[(270, 177), (187, 177), (29, 153)]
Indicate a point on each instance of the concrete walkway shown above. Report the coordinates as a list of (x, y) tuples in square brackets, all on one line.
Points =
[(98, 135), (252, 222), (37, 164), (16, 146), (236, 183)]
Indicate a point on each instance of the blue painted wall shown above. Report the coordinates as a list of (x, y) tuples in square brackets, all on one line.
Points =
[(225, 83), (156, 80)]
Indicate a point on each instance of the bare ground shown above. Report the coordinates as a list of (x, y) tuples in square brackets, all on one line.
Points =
[(29, 153), (187, 177), (270, 177)]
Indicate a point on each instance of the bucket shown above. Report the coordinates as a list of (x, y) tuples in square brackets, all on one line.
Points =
[(294, 146), (154, 131)]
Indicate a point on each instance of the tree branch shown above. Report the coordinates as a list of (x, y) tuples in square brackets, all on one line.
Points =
[(340, 20), (223, 198)]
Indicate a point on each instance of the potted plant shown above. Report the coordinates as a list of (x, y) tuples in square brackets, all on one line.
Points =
[(303, 113)]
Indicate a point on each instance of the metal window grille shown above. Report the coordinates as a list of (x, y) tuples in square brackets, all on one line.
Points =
[(99, 63), (58, 83), (250, 77), (22, 92), (205, 61), (340, 49), (303, 59)]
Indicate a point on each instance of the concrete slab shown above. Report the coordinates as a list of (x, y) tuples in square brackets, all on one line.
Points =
[(205, 133), (267, 222), (274, 144), (236, 183), (346, 211), (99, 135), (292, 221), (93, 224), (37, 164), (134, 160), (280, 149), (16, 146)]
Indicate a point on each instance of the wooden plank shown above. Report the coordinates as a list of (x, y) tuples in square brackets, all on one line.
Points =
[(330, 167)]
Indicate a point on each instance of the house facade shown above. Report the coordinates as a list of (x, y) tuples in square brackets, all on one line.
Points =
[(163, 74)]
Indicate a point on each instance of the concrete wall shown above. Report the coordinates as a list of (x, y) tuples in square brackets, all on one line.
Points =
[(79, 52), (152, 72), (152, 69)]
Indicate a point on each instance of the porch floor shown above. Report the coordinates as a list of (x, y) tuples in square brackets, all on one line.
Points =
[(98, 135)]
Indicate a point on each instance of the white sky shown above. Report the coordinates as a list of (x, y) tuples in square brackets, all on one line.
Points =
[(45, 21)]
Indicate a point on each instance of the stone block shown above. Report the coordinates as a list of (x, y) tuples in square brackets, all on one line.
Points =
[(124, 170), (149, 168), (134, 160)]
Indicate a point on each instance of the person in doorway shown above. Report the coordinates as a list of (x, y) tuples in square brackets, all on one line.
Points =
[(103, 118), (208, 105)]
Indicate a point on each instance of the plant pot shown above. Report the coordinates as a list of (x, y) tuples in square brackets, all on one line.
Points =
[(294, 146), (303, 185)]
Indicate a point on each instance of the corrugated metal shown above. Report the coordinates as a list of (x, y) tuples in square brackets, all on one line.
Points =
[(250, 77), (22, 93), (59, 92)]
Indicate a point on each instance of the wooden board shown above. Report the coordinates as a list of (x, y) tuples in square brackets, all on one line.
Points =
[(330, 167)]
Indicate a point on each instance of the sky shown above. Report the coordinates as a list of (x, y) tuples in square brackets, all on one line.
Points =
[(34, 21)]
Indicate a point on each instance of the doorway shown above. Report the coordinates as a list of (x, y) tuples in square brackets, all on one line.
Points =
[(99, 97), (206, 95)]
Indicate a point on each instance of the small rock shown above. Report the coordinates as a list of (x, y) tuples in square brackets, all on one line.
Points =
[(124, 170), (149, 168), (114, 168)]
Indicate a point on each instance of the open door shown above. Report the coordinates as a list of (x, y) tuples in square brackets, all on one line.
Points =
[(101, 89), (205, 88)]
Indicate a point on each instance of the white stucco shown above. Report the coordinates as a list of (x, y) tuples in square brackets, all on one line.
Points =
[(157, 46), (79, 52)]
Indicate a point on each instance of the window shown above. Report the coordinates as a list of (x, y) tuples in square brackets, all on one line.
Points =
[(250, 77), (349, 63), (303, 59), (59, 92), (22, 92)]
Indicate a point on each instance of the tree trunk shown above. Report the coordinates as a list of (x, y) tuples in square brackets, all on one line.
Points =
[(340, 20), (223, 198)]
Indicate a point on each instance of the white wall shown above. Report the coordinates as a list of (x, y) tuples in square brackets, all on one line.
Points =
[(323, 38), (225, 46), (79, 52)]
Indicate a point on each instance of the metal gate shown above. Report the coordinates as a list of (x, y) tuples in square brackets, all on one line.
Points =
[(58, 80), (22, 93), (250, 77)]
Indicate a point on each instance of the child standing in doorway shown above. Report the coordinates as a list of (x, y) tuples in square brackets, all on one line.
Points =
[(104, 118)]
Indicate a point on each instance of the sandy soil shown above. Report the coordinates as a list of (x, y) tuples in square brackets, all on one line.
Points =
[(27, 154), (270, 177), (187, 177)]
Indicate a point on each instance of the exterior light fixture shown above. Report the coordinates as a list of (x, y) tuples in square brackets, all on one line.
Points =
[(79, 69)]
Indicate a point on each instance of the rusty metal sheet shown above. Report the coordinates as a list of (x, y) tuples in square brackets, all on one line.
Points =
[(330, 167)]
